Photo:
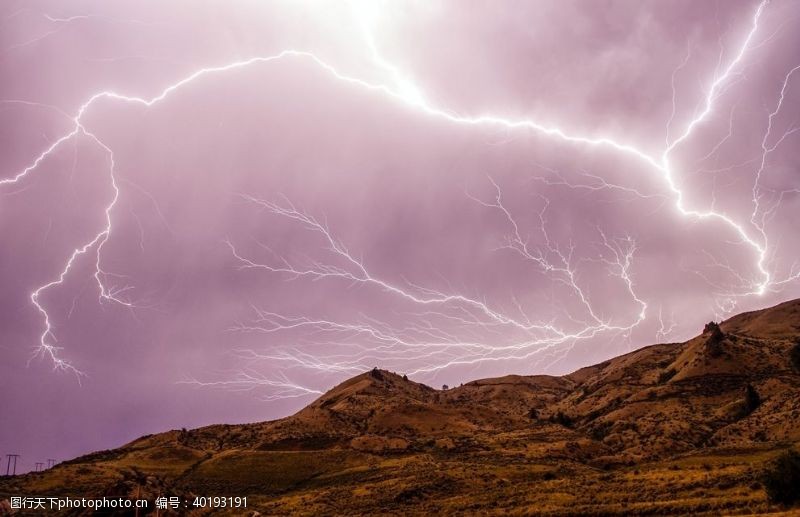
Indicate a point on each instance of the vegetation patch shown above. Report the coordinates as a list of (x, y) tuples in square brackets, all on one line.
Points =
[(782, 479)]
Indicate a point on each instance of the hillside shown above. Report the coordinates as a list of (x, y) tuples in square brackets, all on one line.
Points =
[(668, 429)]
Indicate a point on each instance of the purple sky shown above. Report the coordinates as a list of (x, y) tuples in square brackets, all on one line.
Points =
[(299, 191)]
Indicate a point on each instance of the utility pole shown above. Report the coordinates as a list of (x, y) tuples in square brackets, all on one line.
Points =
[(39, 466), (8, 464), (51, 463)]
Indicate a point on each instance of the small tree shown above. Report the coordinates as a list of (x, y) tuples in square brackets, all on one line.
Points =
[(445, 387), (533, 414), (405, 377), (714, 340), (751, 400), (782, 479)]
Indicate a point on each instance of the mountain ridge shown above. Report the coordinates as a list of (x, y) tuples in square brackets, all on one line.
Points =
[(716, 409)]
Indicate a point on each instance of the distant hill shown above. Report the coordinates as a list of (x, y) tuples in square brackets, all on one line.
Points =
[(678, 428)]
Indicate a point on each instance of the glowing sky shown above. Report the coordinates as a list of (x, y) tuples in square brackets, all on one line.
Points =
[(214, 211)]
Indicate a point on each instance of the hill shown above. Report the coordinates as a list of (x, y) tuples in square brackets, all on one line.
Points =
[(678, 428)]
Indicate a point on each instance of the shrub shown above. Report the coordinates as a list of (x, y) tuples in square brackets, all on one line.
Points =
[(751, 399), (794, 356), (782, 479), (666, 375), (600, 431), (712, 327), (561, 419), (715, 338), (533, 414)]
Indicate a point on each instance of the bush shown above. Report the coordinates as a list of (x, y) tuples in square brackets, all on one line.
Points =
[(714, 340), (712, 327), (794, 356), (666, 375), (751, 399), (600, 431), (782, 479), (561, 419)]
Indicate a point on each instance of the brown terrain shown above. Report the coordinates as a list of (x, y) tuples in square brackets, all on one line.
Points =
[(671, 429)]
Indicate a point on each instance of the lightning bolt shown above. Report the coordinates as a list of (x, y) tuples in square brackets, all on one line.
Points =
[(469, 311), (481, 332), (249, 380), (767, 149), (760, 248)]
